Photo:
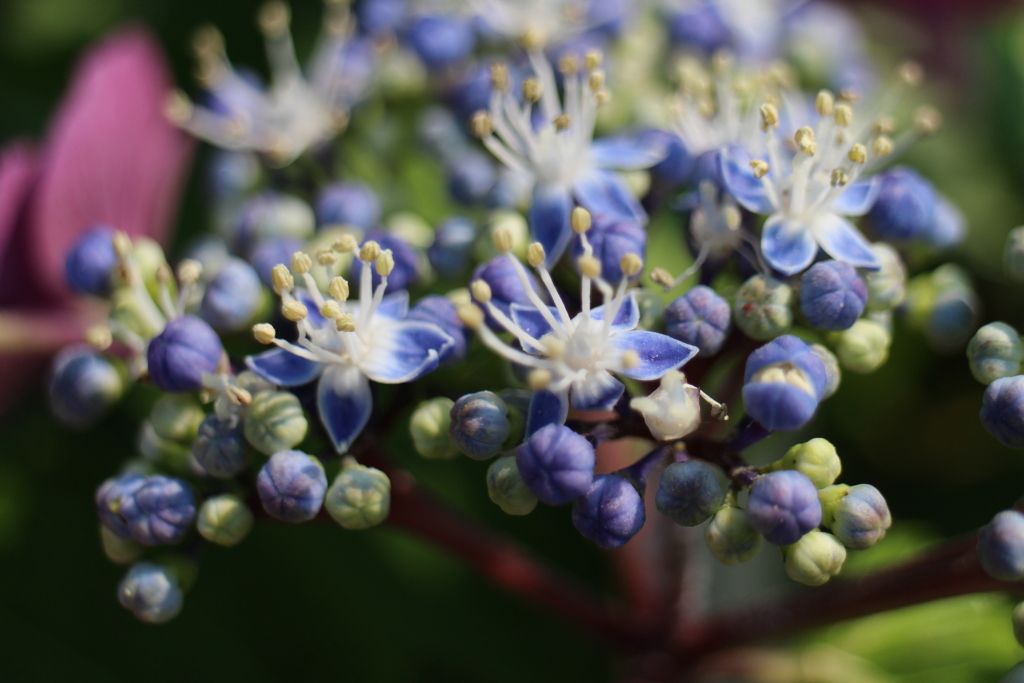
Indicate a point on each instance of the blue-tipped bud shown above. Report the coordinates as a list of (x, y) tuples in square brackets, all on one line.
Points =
[(864, 347), (108, 501), (271, 215), (380, 17), (180, 355), (763, 308), (230, 173), (471, 176), (292, 486), (91, 261), (833, 375), (995, 352), (1013, 254), (557, 464), (943, 303), (176, 417), (268, 253), (506, 287), (729, 536), (479, 425), (407, 262), (346, 203), (360, 497), (611, 239), (783, 506), (948, 225), (689, 492), (151, 593), (1001, 546), (887, 286), (700, 26), (117, 549), (83, 386), (506, 488), (441, 40), (700, 318), (225, 520), (610, 512), (857, 515), (814, 559), (816, 459), (1002, 410), (220, 447), (275, 422), (439, 310), (233, 297), (429, 429), (453, 242), (832, 296), (159, 512), (677, 165), (905, 207), (783, 383)]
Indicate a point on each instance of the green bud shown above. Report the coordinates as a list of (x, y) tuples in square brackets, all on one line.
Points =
[(817, 460), (1018, 623), (815, 558), (652, 309), (507, 489), (360, 497), (729, 536), (176, 417), (887, 286), (864, 347), (119, 550), (829, 497), (275, 422), (1013, 254), (172, 455), (832, 373), (429, 429), (126, 311), (148, 256), (763, 308), (224, 520), (995, 351), (516, 424)]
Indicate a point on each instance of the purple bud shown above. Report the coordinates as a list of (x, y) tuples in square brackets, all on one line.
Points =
[(610, 512), (783, 506), (612, 238), (1002, 410), (407, 262), (220, 447), (179, 355), (557, 464), (233, 297), (905, 206), (506, 287), (453, 242), (83, 386), (470, 178), (783, 383), (150, 592), (108, 501), (292, 486), (441, 40), (89, 263), (832, 295), (700, 318), (160, 512), (269, 253), (347, 203), (479, 425), (1001, 546), (439, 310)]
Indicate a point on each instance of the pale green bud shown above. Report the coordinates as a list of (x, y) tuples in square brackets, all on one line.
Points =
[(360, 497), (275, 422), (119, 550), (176, 417), (507, 489), (1013, 254), (172, 455), (817, 460), (126, 311), (1018, 623), (815, 558), (224, 520), (729, 536), (764, 308), (887, 286), (995, 351), (864, 347), (833, 375), (429, 429)]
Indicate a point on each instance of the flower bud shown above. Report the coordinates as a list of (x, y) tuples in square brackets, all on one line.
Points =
[(673, 410), (406, 268), (167, 454), (689, 492), (783, 506), (90, 263), (995, 352), (506, 287), (270, 215), (832, 296), (506, 487), (159, 512), (815, 459), (275, 422), (1002, 410), (233, 297), (814, 559), (479, 425), (429, 429), (151, 593), (610, 512), (1001, 546), (180, 355), (471, 176), (440, 311), (864, 347), (291, 486), (905, 206), (557, 464), (1017, 619), (832, 373), (224, 520), (612, 238), (783, 382), (108, 501), (347, 203), (701, 318), (176, 417), (360, 497), (1013, 254), (220, 446), (453, 242), (729, 536), (763, 308), (117, 549), (857, 515), (887, 285), (83, 386)]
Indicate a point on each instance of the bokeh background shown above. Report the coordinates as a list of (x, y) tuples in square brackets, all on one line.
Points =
[(313, 601)]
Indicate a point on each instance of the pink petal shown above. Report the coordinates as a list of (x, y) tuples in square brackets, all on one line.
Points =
[(18, 169), (111, 155)]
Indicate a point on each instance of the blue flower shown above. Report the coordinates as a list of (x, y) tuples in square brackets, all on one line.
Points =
[(90, 262), (292, 486), (612, 238), (440, 311), (159, 512), (610, 512), (783, 383), (557, 464), (150, 592), (348, 345)]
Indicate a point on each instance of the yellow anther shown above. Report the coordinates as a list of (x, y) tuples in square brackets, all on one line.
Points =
[(580, 220), (662, 277), (460, 297), (769, 116), (533, 39), (603, 97), (927, 121), (881, 146), (239, 396), (805, 141), (503, 239), (535, 254), (554, 347), (178, 108), (722, 61), (331, 309), (385, 263), (596, 80), (760, 167), (345, 244), (326, 257), (910, 73), (885, 125), (481, 291), (568, 65), (301, 263), (539, 379), (839, 178), (825, 103), (264, 333), (282, 279), (593, 59), (630, 359), (338, 289), (369, 252), (858, 154), (499, 76), (849, 95), (99, 337), (294, 311), (122, 244), (164, 274), (481, 124), (631, 264), (844, 114), (346, 322), (706, 107), (189, 272), (471, 316), (562, 122), (274, 18), (207, 41), (732, 216), (589, 266), (532, 90)]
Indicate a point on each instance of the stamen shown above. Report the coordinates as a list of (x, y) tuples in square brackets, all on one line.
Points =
[(769, 116), (346, 322), (760, 167), (326, 257), (345, 244), (503, 239), (844, 115), (631, 265), (580, 220), (535, 254), (825, 103), (282, 279), (499, 76), (99, 337), (481, 124), (338, 289), (369, 252), (331, 309), (471, 316), (532, 90), (858, 154), (589, 266), (264, 333), (295, 311), (481, 291), (539, 380), (385, 263), (301, 263)]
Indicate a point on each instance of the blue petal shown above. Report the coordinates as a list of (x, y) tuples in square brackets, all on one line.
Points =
[(403, 351), (345, 404), (843, 242), (788, 247), (627, 317), (628, 152), (602, 193), (598, 391), (532, 321), (284, 368), (546, 408), (315, 318), (549, 220), (740, 182), (658, 353), (858, 198), (394, 305)]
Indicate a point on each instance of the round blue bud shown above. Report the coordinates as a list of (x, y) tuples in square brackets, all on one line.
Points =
[(233, 297), (439, 310), (783, 384), (380, 17), (677, 165), (471, 177), (905, 205), (108, 501), (230, 173), (832, 295), (220, 446), (90, 262), (441, 40), (689, 492), (347, 203), (83, 386), (611, 239), (947, 227), (1002, 410), (610, 512), (700, 318), (995, 351), (700, 26), (557, 464), (453, 241), (783, 506), (858, 519), (269, 215), (160, 512), (268, 253), (506, 287), (211, 252), (479, 425), (150, 592), (178, 356), (1001, 546), (292, 486), (707, 168), (407, 262)]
